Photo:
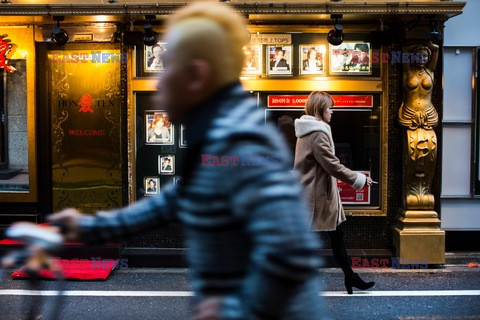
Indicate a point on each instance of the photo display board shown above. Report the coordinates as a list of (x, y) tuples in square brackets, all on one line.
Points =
[(285, 56), (160, 146)]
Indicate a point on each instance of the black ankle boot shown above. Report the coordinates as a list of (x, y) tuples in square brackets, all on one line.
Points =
[(357, 282)]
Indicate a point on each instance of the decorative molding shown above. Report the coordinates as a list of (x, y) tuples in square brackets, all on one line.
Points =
[(292, 8), (131, 130)]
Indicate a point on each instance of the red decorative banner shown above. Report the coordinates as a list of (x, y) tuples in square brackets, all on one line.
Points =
[(349, 195), (5, 47), (293, 101), (353, 101)]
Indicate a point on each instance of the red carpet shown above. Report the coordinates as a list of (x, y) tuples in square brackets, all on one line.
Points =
[(14, 242), (10, 242), (77, 269)]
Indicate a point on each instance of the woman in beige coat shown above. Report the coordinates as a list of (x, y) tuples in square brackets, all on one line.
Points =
[(316, 161)]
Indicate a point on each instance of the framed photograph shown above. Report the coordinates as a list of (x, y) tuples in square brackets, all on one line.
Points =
[(166, 164), (183, 137), (312, 58), (177, 180), (153, 60), (279, 60), (157, 128), (253, 60), (152, 185), (351, 58)]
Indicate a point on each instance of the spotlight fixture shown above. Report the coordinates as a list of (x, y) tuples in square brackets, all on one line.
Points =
[(335, 36), (59, 35), (150, 37)]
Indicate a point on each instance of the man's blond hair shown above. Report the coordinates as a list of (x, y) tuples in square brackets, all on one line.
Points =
[(213, 32)]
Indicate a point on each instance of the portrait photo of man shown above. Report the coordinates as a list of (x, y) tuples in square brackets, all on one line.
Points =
[(154, 57), (166, 164), (280, 59), (152, 185)]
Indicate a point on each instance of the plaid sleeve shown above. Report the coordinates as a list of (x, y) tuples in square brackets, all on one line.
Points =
[(284, 253)]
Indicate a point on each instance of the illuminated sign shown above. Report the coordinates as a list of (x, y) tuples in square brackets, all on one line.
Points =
[(270, 38), (344, 101)]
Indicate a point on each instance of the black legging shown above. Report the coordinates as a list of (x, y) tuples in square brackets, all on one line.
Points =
[(339, 251)]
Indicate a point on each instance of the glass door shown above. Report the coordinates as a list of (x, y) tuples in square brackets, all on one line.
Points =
[(85, 112)]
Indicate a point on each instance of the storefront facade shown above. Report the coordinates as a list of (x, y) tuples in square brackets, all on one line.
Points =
[(80, 112), (460, 196)]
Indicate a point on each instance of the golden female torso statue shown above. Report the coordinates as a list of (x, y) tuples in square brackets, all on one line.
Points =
[(418, 116)]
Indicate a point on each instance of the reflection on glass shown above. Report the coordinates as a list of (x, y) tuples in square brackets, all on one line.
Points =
[(85, 104), (13, 130), (357, 141)]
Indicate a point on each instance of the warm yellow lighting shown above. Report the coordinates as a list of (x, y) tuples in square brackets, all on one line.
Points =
[(248, 77), (101, 18), (19, 54), (318, 83)]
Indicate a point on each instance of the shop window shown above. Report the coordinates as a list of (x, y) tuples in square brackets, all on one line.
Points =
[(14, 160), (356, 133), (302, 62), (160, 147)]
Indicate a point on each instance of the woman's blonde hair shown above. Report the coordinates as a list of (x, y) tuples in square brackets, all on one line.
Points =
[(317, 102)]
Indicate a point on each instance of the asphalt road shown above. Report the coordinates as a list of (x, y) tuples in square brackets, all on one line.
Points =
[(450, 293)]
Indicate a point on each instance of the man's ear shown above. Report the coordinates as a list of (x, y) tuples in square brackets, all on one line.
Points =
[(200, 75)]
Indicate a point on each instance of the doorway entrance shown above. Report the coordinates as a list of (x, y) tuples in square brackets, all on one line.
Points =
[(79, 110)]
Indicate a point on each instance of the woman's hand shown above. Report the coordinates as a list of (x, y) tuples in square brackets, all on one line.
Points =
[(369, 181)]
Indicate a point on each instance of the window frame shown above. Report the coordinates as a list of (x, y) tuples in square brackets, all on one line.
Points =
[(476, 126)]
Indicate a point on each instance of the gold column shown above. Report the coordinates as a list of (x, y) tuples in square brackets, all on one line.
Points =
[(417, 234)]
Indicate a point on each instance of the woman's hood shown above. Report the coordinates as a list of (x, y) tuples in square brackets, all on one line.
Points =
[(308, 124)]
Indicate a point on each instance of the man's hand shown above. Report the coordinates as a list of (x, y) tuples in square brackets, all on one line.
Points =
[(208, 309), (68, 218), (40, 241)]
